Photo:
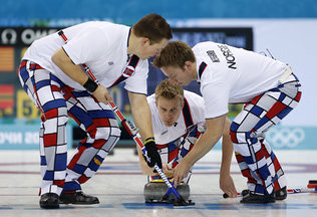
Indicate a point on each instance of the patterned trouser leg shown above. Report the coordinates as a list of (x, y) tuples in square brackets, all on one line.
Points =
[(97, 119), (45, 90), (276, 171), (255, 157), (103, 133)]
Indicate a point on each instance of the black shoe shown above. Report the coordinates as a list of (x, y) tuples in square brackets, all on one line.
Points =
[(281, 194), (49, 201), (77, 198), (245, 192), (255, 198)]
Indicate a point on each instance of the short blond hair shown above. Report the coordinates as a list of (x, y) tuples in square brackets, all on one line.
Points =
[(169, 90), (175, 54)]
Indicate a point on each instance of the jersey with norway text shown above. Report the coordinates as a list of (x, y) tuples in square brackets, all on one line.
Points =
[(102, 46), (164, 134), (233, 75)]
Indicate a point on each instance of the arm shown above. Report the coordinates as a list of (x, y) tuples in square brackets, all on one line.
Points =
[(76, 73), (141, 114), (205, 143), (142, 118), (146, 170), (226, 182)]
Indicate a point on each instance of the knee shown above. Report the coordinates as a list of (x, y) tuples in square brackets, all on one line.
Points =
[(56, 115), (107, 131), (239, 136)]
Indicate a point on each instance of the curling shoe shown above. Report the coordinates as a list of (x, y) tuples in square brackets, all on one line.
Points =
[(49, 201), (255, 198), (281, 194), (78, 198)]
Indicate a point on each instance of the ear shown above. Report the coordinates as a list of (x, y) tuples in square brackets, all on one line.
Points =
[(145, 40), (188, 65)]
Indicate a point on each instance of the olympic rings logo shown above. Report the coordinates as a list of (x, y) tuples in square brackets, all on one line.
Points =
[(285, 137)]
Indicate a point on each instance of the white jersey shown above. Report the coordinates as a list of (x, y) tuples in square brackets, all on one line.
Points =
[(102, 46), (193, 110), (233, 75)]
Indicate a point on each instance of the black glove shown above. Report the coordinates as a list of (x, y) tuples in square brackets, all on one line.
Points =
[(151, 155)]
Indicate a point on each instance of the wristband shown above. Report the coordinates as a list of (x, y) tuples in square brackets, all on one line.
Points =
[(90, 85), (150, 139)]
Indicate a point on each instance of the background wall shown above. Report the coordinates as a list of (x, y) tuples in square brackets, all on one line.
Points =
[(129, 11), (288, 28)]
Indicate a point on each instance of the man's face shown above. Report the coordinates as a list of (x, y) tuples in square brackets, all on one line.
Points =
[(169, 110), (178, 75), (149, 49)]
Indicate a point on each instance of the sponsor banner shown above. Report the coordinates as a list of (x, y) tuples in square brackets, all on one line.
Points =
[(23, 36), (290, 138), (25, 136)]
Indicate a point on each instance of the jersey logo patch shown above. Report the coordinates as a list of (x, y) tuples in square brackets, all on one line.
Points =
[(128, 71), (213, 56)]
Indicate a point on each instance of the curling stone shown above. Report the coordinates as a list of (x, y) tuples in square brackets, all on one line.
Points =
[(155, 191)]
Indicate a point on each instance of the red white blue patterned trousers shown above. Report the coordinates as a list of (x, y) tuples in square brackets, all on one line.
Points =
[(256, 159), (57, 102)]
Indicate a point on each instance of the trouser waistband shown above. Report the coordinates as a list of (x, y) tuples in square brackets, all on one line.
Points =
[(285, 75)]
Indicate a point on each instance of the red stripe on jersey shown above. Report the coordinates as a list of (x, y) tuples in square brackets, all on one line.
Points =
[(173, 154), (161, 146)]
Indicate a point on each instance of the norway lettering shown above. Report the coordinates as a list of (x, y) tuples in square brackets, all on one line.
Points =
[(231, 60)]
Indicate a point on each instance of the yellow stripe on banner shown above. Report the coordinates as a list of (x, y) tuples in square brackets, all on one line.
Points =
[(7, 93), (97, 161), (6, 59)]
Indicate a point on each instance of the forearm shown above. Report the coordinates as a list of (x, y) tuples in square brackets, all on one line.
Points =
[(75, 72), (141, 115), (227, 149), (204, 144), (207, 141), (146, 170)]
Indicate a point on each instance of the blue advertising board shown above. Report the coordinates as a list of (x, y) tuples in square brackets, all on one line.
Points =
[(19, 136)]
